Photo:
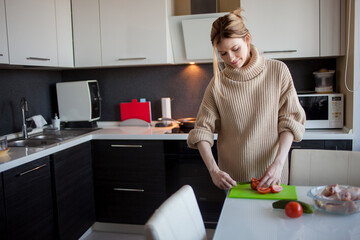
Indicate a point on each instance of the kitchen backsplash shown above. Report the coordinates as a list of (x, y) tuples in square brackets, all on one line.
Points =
[(185, 84)]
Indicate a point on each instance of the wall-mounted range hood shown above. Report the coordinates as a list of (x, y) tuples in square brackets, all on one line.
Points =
[(190, 37)]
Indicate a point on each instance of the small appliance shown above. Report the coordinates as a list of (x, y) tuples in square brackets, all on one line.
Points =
[(323, 111), (79, 101)]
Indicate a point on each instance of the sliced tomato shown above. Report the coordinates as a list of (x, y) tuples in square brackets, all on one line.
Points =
[(254, 179), (263, 190), (276, 188), (254, 184)]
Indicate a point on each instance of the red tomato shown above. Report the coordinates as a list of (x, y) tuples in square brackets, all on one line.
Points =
[(263, 190), (254, 179), (276, 188), (293, 210), (254, 184)]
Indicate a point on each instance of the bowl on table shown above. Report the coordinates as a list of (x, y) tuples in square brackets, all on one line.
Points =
[(344, 200)]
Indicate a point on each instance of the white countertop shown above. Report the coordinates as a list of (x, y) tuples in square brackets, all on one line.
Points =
[(112, 131), (256, 219)]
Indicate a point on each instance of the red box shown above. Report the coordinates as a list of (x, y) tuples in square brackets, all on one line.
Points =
[(137, 110)]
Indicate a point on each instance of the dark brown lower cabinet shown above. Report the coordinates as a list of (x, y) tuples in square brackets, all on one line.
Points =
[(2, 211), (129, 180), (28, 201), (73, 191)]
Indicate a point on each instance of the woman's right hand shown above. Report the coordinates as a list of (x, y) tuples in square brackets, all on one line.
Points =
[(222, 179)]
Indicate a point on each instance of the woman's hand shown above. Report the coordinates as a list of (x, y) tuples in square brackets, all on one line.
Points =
[(222, 179), (272, 175)]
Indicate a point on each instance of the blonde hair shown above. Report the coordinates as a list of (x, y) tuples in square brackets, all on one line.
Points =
[(229, 26)]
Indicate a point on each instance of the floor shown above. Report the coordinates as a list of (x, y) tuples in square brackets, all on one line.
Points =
[(101, 231)]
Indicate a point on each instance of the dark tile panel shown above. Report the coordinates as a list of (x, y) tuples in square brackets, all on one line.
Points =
[(37, 86)]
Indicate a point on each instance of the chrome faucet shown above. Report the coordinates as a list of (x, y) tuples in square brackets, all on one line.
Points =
[(24, 108)]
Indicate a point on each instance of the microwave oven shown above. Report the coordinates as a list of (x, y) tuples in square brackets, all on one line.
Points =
[(79, 101), (323, 111)]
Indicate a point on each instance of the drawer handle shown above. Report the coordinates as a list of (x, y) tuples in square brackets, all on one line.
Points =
[(129, 190), (297, 147), (31, 170), (134, 58), (38, 58), (280, 51), (125, 146), (1, 54)]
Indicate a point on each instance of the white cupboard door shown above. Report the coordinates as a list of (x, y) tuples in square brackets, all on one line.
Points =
[(64, 33), (86, 30), (133, 32), (4, 57), (283, 28), (32, 32), (332, 40)]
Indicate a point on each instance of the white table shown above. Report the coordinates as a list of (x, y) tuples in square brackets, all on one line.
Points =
[(256, 219)]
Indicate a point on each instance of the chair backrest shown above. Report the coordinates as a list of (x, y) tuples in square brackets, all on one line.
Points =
[(323, 167), (177, 218)]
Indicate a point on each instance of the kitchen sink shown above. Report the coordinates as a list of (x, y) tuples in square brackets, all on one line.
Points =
[(48, 137), (32, 142)]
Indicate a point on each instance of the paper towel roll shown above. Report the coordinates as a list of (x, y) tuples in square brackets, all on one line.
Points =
[(166, 107)]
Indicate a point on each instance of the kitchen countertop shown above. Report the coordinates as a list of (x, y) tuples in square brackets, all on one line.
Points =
[(112, 131)]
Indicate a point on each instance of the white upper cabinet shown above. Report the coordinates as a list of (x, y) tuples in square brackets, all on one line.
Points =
[(64, 33), (32, 32), (283, 28), (38, 30), (133, 32), (121, 32), (4, 56), (86, 31), (332, 27)]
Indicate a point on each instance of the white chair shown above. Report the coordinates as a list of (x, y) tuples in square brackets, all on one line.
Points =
[(178, 218), (323, 167)]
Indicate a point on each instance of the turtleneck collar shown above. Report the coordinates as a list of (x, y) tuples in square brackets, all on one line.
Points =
[(254, 67)]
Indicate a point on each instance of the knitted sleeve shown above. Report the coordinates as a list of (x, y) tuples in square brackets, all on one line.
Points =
[(291, 114), (205, 120)]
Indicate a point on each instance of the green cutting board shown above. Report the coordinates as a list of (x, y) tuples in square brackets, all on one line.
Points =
[(245, 191)]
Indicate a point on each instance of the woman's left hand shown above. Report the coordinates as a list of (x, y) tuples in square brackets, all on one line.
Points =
[(272, 176)]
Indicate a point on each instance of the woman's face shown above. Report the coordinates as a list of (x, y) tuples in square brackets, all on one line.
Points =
[(235, 51)]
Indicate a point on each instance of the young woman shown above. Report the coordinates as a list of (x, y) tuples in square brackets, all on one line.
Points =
[(252, 104)]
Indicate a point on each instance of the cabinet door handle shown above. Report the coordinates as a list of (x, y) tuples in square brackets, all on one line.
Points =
[(31, 170), (1, 54), (280, 51), (129, 190), (125, 146), (134, 58), (38, 58)]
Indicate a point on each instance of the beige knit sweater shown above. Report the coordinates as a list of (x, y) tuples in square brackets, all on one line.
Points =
[(260, 102)]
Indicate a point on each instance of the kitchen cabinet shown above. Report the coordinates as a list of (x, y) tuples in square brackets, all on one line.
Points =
[(39, 32), (4, 56), (332, 27), (28, 201), (73, 191), (185, 166), (129, 180), (120, 33), (283, 28), (2, 211)]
